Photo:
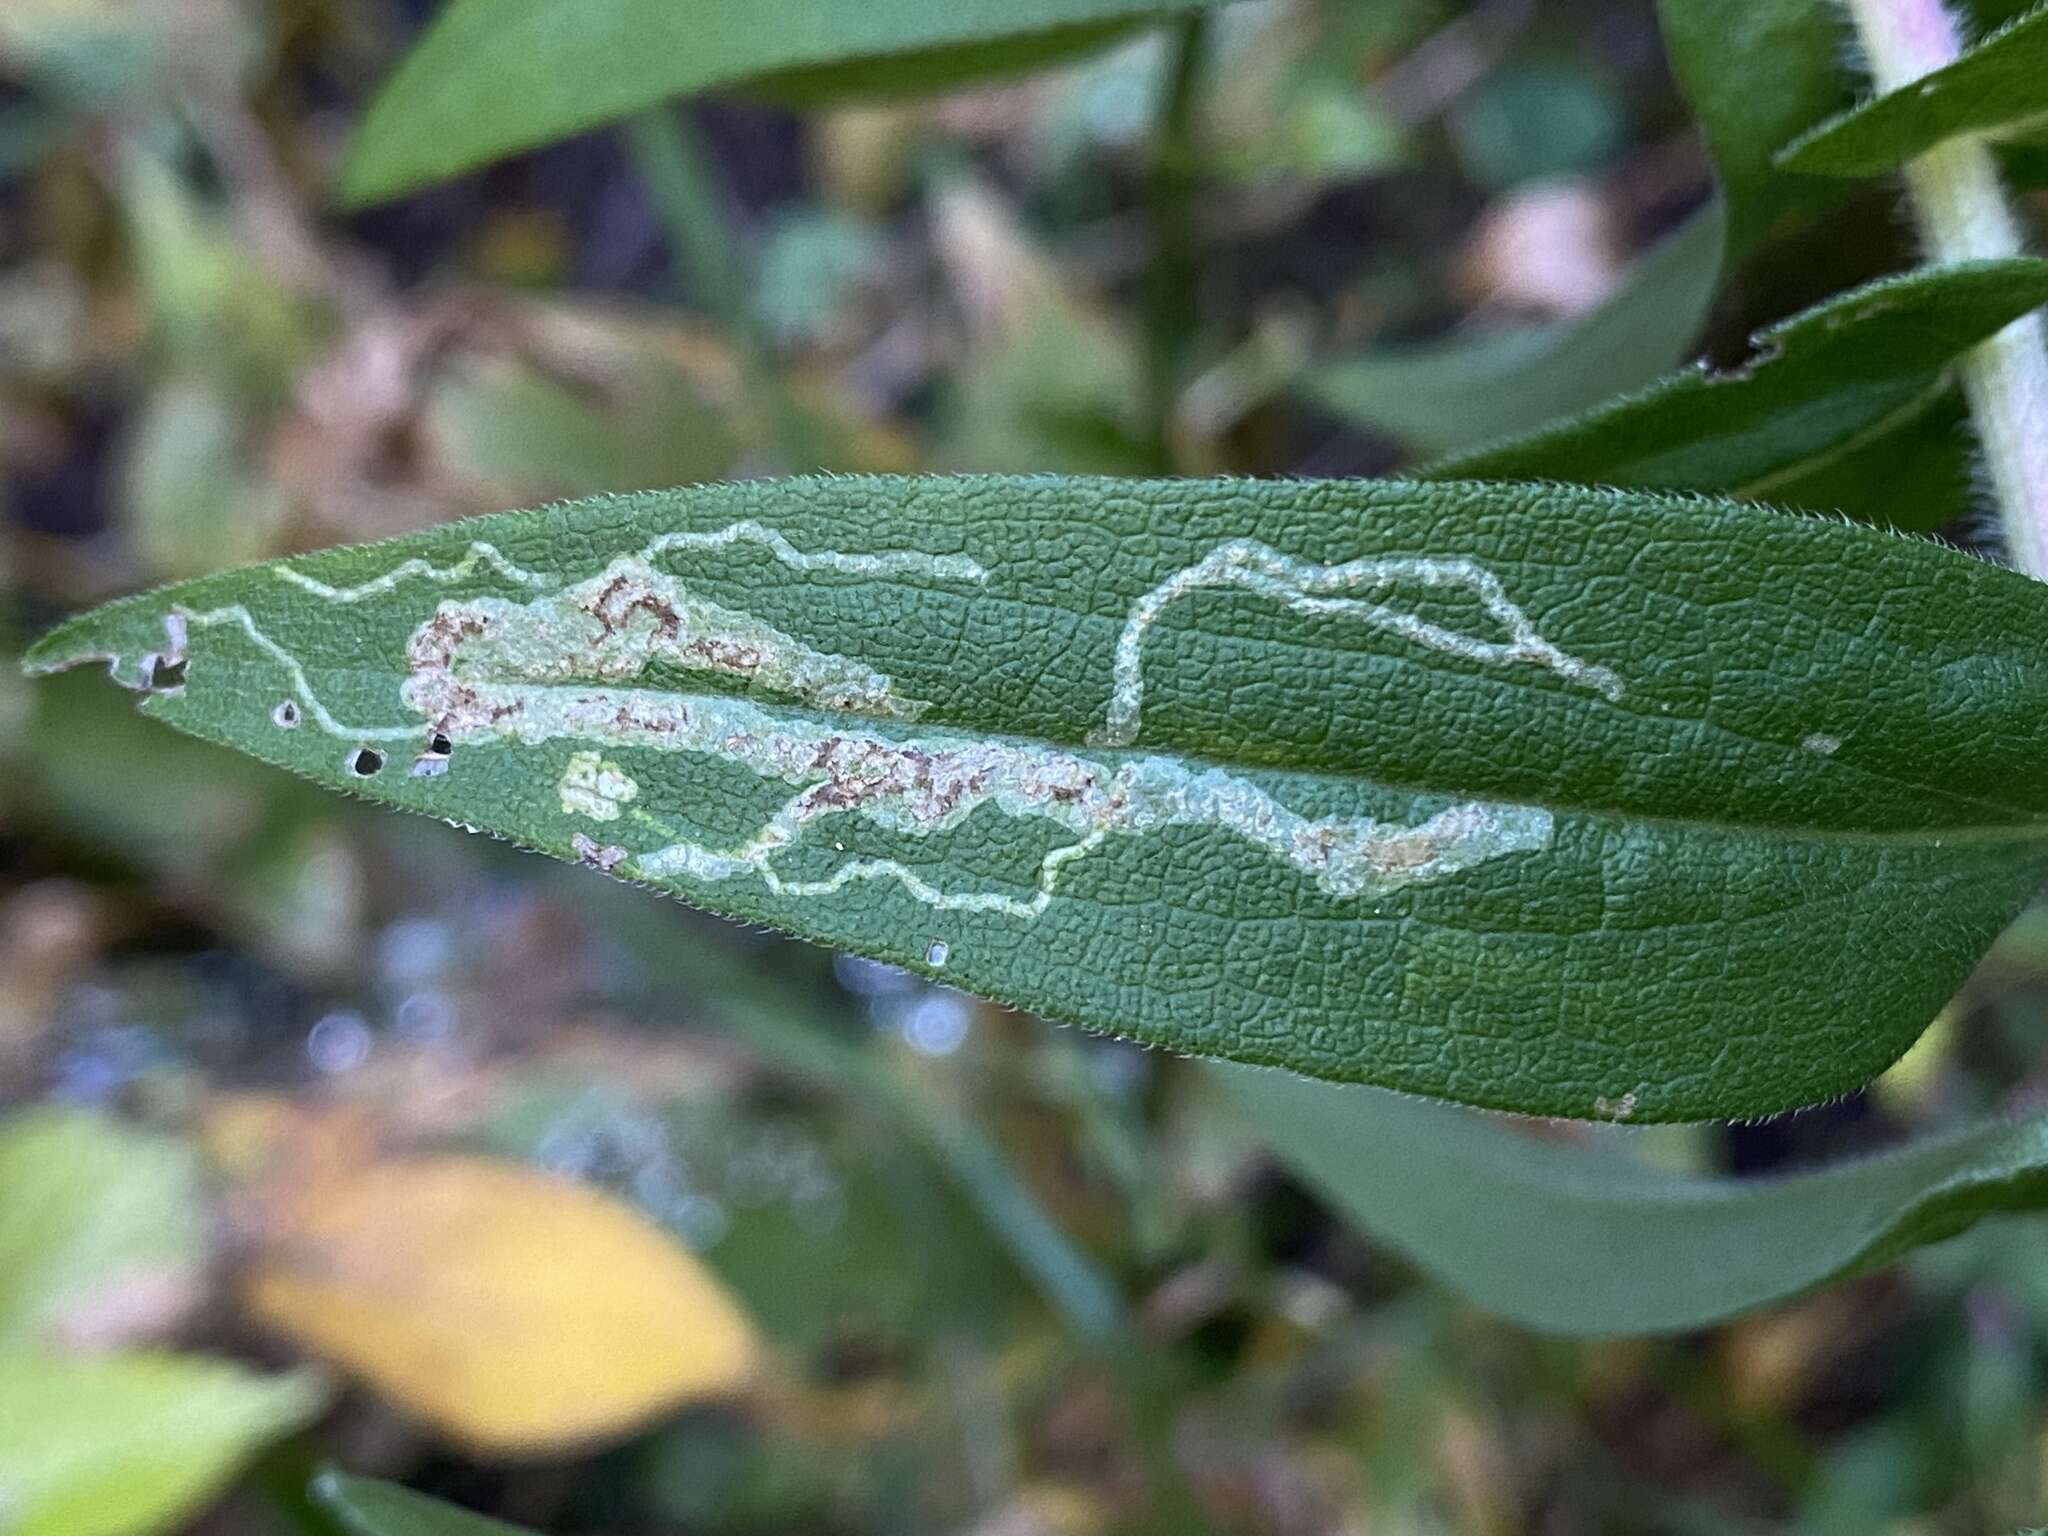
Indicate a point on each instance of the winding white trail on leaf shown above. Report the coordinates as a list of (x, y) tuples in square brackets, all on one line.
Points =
[(747, 531), (1305, 587), (480, 554), (924, 783), (302, 688), (556, 667)]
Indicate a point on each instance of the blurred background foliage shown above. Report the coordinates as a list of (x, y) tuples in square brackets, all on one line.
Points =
[(331, 1138)]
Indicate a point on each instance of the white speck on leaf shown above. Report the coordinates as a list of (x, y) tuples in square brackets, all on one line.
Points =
[(1619, 1109)]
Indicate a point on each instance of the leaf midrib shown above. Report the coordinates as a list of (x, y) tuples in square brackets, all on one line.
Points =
[(1040, 610), (2023, 828)]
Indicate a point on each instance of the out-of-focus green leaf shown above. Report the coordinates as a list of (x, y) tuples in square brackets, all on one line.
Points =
[(215, 309), (1327, 131), (363, 1506), (812, 1253), (1532, 796), (1535, 121), (1052, 392), (1582, 1239), (1756, 75), (28, 131), (1875, 1475), (1454, 394), (89, 1209), (632, 418), (813, 262), (191, 492), (83, 54), (781, 1023), (494, 76), (1816, 387), (2000, 85), (1283, 98), (1048, 379), (130, 1444)]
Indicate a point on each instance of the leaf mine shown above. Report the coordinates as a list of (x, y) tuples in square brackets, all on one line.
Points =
[(1524, 795)]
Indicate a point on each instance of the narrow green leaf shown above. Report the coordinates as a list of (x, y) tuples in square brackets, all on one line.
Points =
[(130, 1444), (1914, 474), (495, 76), (1456, 394), (1816, 387), (363, 1506), (1536, 797), (89, 1209), (1580, 1239), (1999, 86), (1755, 75)]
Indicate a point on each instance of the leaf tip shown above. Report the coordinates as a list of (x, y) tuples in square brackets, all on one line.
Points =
[(68, 645), (141, 644)]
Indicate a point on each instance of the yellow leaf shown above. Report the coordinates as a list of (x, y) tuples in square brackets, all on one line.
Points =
[(517, 1312), (274, 1146)]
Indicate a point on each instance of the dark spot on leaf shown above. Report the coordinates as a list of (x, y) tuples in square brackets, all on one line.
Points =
[(439, 744), (365, 761), (166, 674)]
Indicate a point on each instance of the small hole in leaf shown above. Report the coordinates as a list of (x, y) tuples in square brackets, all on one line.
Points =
[(286, 716), (439, 744), (365, 761), (165, 674)]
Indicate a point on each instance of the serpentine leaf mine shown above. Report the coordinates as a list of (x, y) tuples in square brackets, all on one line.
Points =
[(561, 664)]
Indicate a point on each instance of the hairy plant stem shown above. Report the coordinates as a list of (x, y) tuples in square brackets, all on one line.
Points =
[(1964, 215), (705, 243), (1173, 298)]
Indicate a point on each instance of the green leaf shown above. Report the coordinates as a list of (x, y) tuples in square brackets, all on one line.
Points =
[(363, 1506), (89, 1209), (1580, 1239), (1455, 394), (1534, 122), (1999, 86), (1755, 75), (1913, 475), (1536, 797), (495, 76), (1816, 387), (130, 1444)]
